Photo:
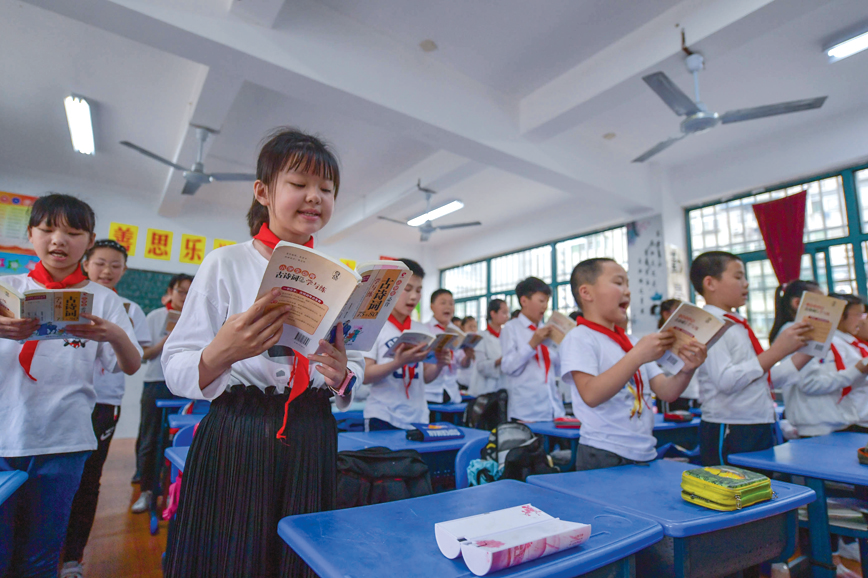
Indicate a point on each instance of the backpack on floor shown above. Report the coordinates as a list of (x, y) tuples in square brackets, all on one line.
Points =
[(378, 475), (518, 451), (486, 411)]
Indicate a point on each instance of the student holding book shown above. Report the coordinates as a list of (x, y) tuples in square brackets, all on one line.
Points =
[(530, 366), (464, 376), (47, 388), (736, 382), (787, 299), (150, 426), (488, 376), (444, 387), (268, 447), (612, 375)]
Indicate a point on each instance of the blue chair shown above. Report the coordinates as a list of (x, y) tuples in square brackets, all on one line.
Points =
[(184, 437), (670, 450), (201, 407), (465, 455)]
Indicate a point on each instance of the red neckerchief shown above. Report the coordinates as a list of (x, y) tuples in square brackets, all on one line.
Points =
[(299, 377), (757, 347), (839, 362), (619, 336), (41, 276), (169, 306), (408, 372), (547, 360), (492, 331)]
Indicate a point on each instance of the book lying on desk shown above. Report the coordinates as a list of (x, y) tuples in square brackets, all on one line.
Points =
[(55, 309), (505, 538), (823, 314), (323, 292), (689, 323)]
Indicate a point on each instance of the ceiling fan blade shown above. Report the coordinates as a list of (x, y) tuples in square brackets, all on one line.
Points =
[(457, 226), (148, 153), (673, 96), (659, 147), (772, 109), (190, 188), (393, 220), (232, 177)]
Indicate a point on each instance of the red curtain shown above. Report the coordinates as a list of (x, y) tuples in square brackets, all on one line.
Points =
[(782, 224)]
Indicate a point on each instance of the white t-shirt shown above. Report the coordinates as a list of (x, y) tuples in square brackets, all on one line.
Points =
[(487, 377), (110, 386), (53, 414), (609, 425), (389, 399), (227, 284), (157, 327), (448, 379)]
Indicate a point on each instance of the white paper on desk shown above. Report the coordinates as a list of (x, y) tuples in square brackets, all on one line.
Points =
[(450, 534)]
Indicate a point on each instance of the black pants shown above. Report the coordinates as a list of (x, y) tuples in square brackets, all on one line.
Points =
[(588, 458), (717, 441), (105, 419), (150, 430)]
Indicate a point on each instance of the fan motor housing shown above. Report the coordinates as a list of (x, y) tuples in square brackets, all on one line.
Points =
[(700, 122)]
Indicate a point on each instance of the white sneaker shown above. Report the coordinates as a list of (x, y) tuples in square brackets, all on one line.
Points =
[(71, 570), (843, 572), (143, 504), (849, 551)]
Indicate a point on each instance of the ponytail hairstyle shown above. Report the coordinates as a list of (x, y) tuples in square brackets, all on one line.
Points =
[(493, 307), (784, 295), (289, 149)]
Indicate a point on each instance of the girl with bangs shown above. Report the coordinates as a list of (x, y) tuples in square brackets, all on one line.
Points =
[(268, 447)]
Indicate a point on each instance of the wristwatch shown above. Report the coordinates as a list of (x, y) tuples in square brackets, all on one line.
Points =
[(346, 386)]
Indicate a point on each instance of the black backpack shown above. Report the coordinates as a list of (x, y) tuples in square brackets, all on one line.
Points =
[(377, 475), (518, 451), (486, 411)]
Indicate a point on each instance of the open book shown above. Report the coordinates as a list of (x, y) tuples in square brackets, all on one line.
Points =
[(505, 538), (561, 325), (689, 323), (324, 292), (413, 337), (55, 309), (823, 314), (462, 340)]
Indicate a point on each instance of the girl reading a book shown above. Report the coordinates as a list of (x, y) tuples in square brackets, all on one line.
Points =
[(267, 448), (47, 386)]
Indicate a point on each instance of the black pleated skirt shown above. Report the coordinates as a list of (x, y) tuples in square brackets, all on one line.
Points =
[(240, 481)]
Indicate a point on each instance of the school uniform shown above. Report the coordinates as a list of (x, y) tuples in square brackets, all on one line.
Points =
[(852, 351), (738, 410), (464, 375), (240, 477), (529, 375), (46, 431), (399, 398), (487, 377), (444, 389), (622, 425)]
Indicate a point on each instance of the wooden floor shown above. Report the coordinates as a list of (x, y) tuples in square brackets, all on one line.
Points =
[(120, 544)]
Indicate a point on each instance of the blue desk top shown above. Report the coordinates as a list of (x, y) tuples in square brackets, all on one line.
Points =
[(447, 407), (9, 482), (355, 414), (377, 541), (660, 425), (849, 440), (547, 428), (397, 440), (824, 460), (179, 421), (654, 491), (163, 403)]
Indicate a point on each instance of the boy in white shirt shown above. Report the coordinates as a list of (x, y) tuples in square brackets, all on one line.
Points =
[(488, 376), (613, 377), (530, 367), (444, 388), (465, 374), (735, 383)]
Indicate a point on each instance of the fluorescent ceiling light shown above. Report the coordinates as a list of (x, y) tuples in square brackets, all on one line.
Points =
[(80, 125), (847, 48), (436, 213)]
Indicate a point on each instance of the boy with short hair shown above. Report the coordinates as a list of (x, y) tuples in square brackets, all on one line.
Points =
[(444, 388), (611, 375), (530, 367), (738, 409)]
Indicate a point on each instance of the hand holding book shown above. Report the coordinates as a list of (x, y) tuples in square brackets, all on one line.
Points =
[(17, 329)]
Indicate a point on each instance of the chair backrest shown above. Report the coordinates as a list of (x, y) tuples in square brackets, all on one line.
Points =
[(468, 453), (184, 437), (201, 407)]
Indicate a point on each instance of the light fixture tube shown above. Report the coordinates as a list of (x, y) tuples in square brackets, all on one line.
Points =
[(848, 47), (436, 213), (80, 124)]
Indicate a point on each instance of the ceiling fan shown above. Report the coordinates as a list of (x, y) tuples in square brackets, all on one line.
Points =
[(196, 175), (426, 228), (697, 117)]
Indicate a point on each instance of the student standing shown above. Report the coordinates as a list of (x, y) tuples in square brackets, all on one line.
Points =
[(613, 377), (487, 377), (464, 376), (736, 382), (444, 388), (530, 367), (268, 447), (48, 392)]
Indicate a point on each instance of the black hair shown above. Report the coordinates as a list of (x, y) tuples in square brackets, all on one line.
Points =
[(106, 244), (493, 307), (784, 295), (456, 320), (515, 314), (438, 292), (668, 306), (575, 315), (586, 273), (468, 318), (414, 267), (850, 299), (289, 149), (55, 209), (178, 279), (710, 264), (531, 285)]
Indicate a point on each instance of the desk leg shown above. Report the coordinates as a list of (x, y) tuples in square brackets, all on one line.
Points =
[(863, 554), (818, 525), (574, 452)]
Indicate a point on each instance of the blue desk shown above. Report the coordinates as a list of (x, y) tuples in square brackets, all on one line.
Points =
[(696, 537), (547, 429), (175, 403), (9, 482), (350, 420), (817, 460), (397, 538), (451, 412), (684, 434), (178, 421)]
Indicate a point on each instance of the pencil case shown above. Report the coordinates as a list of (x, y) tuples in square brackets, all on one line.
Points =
[(863, 456), (678, 416), (724, 488)]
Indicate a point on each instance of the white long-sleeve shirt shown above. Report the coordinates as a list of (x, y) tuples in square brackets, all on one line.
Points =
[(533, 395), (448, 379), (488, 377), (227, 284)]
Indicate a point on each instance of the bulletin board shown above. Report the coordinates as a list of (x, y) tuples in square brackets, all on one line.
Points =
[(144, 288), (16, 254)]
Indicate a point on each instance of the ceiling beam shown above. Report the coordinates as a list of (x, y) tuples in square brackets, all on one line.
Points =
[(262, 12)]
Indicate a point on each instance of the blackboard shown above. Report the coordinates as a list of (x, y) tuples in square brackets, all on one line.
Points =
[(144, 288)]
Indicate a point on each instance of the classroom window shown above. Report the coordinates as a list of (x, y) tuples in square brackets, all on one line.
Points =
[(611, 244), (843, 269), (467, 280), (861, 178), (508, 270)]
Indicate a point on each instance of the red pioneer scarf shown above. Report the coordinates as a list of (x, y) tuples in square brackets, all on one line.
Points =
[(408, 372)]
